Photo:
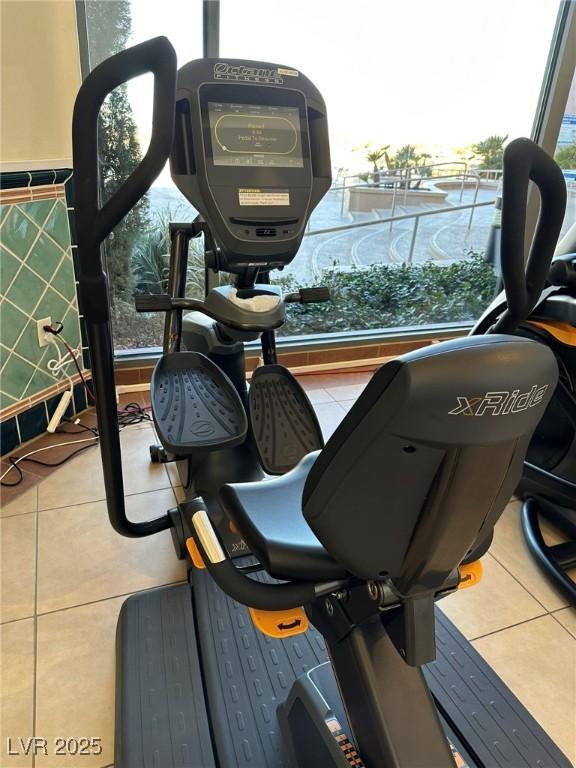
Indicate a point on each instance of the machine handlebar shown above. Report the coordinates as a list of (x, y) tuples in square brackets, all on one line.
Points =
[(525, 161), (94, 223), (158, 57)]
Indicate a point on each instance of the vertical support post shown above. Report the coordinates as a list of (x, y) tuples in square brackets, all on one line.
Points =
[(395, 187), (389, 706), (343, 197), (406, 183), (179, 241), (474, 203), (413, 240), (211, 29)]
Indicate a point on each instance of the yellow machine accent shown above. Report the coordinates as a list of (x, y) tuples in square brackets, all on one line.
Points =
[(564, 332), (280, 623), (194, 553), (470, 574)]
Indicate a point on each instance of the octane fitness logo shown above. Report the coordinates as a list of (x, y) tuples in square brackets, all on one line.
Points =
[(499, 403)]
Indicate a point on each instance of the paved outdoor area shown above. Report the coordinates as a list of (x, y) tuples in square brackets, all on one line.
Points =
[(442, 237)]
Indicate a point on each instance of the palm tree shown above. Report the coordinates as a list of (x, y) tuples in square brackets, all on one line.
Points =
[(374, 155), (407, 158)]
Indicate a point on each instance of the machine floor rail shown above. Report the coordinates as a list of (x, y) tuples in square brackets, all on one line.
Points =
[(484, 713), (177, 677), (194, 405), (161, 718), (284, 423)]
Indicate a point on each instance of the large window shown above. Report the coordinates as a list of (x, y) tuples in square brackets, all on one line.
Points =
[(421, 99), (565, 156)]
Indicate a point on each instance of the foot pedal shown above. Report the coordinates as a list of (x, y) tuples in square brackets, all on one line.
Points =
[(195, 405), (283, 420)]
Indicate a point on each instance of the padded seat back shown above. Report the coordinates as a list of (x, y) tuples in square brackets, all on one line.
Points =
[(422, 466)]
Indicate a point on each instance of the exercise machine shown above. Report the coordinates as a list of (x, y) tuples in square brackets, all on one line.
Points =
[(307, 634), (548, 485)]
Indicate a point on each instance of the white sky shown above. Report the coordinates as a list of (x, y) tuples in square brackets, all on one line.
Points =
[(441, 74)]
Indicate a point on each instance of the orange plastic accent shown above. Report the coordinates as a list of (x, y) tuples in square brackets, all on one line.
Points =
[(564, 332), (470, 574), (194, 553), (280, 623)]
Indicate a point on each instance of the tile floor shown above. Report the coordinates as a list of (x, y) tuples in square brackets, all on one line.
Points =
[(65, 574)]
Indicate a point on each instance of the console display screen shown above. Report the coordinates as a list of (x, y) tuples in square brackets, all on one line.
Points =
[(255, 135)]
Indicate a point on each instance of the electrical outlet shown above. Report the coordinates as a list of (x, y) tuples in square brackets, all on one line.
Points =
[(43, 337)]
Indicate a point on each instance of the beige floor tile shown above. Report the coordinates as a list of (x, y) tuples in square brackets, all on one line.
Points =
[(498, 601), (510, 549), (180, 493), (537, 661), (329, 415), (317, 396), (80, 480), (76, 679), (346, 391), (21, 505), (140, 474), (82, 559), (567, 617), (16, 691), (173, 475), (313, 381), (18, 564)]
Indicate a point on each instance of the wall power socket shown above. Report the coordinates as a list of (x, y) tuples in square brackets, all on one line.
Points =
[(43, 337)]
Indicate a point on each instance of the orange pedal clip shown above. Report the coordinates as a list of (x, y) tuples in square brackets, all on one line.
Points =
[(280, 623), (470, 574), (194, 553), (564, 332)]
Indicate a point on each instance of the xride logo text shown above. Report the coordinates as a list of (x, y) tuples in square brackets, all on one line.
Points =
[(224, 71), (499, 403)]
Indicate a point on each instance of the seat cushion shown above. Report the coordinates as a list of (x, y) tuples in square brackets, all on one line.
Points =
[(268, 514)]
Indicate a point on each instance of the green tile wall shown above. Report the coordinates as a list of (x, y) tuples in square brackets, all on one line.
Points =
[(36, 280)]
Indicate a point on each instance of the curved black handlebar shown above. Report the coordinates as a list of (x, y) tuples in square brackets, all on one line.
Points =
[(525, 161), (156, 56), (93, 224)]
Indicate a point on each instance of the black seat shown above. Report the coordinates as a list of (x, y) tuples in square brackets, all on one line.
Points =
[(416, 475), (269, 515)]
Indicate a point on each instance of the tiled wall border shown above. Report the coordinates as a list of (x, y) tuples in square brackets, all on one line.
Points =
[(32, 194), (28, 418), (39, 397)]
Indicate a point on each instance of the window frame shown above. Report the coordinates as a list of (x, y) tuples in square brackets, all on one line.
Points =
[(557, 78)]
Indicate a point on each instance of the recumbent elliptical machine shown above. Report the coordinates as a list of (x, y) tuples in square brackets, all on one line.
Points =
[(346, 545), (548, 485)]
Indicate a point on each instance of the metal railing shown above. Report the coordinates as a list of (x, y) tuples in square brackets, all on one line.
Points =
[(398, 176), (489, 174), (403, 217), (405, 181)]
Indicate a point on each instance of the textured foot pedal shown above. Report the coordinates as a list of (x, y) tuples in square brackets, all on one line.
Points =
[(195, 405), (283, 420)]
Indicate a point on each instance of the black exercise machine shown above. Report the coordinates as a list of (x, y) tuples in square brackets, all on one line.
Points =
[(548, 485), (340, 551)]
